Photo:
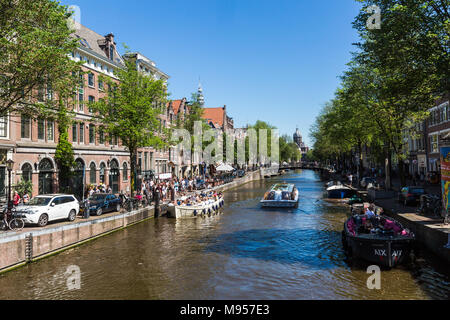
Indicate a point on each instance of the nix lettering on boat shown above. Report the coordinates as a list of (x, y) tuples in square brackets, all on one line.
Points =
[(397, 253), (380, 252)]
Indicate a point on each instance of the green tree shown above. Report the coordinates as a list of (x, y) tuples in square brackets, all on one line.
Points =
[(35, 44), (131, 111)]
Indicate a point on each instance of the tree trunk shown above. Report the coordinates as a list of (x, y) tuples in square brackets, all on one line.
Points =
[(401, 171), (133, 154), (388, 169)]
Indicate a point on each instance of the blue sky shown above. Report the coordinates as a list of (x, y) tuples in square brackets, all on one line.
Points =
[(276, 61)]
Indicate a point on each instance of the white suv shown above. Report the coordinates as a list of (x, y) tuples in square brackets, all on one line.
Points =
[(42, 209)]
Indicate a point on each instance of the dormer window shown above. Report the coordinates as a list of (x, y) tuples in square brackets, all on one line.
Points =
[(111, 52)]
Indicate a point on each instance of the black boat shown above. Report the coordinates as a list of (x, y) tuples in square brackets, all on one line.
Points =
[(387, 244)]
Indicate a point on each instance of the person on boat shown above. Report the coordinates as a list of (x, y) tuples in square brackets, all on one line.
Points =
[(370, 212)]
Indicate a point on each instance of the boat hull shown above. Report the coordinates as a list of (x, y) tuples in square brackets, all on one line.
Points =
[(279, 204), (383, 252), (180, 212)]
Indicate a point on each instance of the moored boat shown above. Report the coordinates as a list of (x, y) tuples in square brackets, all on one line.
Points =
[(340, 192), (281, 195), (205, 208), (379, 240)]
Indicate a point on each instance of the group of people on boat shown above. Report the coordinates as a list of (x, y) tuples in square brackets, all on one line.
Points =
[(285, 195), (372, 223), (200, 199)]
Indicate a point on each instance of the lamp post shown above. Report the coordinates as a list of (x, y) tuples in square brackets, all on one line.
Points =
[(9, 166)]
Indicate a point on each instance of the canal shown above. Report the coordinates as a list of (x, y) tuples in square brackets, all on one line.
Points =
[(244, 253)]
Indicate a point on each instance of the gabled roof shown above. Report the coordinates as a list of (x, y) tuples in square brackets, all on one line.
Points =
[(90, 41), (214, 115), (176, 104)]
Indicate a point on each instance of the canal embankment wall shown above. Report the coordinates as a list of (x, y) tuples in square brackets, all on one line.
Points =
[(18, 249)]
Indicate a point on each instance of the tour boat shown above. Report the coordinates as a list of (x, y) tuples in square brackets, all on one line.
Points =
[(388, 244), (282, 195), (209, 207)]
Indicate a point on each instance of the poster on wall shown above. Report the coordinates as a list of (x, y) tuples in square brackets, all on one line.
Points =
[(445, 176)]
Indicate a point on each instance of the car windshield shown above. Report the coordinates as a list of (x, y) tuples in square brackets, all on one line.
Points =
[(39, 201), (97, 197)]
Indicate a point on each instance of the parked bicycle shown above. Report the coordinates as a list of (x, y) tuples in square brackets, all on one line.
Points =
[(11, 220), (430, 205)]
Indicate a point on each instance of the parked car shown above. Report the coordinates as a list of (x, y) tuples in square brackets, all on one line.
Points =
[(45, 208), (410, 194), (100, 203), (366, 180)]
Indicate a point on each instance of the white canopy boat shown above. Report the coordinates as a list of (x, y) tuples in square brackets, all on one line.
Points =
[(281, 195), (209, 207)]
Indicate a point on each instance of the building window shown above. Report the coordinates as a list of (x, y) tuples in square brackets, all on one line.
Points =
[(91, 134), (49, 92), (91, 101), (81, 99), (82, 132), (25, 127), (27, 172), (102, 172), (100, 85), (3, 127), (434, 143), (50, 130), (74, 133), (93, 173), (91, 80), (125, 171), (41, 129), (111, 52), (101, 136)]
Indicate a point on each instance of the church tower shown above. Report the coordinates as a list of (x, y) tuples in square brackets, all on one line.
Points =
[(298, 139), (201, 98)]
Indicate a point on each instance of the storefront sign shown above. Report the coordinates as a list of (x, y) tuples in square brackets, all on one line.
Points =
[(164, 176), (445, 175)]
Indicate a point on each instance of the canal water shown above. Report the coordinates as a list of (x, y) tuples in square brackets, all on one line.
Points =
[(244, 253)]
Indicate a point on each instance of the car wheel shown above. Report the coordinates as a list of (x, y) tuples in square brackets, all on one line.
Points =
[(72, 215), (99, 211), (43, 220)]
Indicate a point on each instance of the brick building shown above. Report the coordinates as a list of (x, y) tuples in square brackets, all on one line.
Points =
[(31, 143)]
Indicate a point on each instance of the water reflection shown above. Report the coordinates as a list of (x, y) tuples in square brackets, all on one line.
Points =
[(243, 253)]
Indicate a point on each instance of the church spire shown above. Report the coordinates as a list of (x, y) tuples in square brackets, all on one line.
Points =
[(201, 98)]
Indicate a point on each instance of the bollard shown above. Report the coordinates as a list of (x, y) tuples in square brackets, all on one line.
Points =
[(157, 208)]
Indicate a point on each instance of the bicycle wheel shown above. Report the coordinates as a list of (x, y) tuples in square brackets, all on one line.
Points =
[(16, 224)]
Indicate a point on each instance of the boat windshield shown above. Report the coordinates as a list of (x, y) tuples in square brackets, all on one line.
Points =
[(283, 187)]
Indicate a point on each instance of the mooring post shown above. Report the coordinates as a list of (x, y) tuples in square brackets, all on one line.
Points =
[(157, 208)]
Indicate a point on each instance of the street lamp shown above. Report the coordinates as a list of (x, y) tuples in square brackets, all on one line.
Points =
[(9, 166)]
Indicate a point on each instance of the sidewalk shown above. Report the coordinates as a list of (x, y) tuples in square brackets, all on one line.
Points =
[(430, 232)]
